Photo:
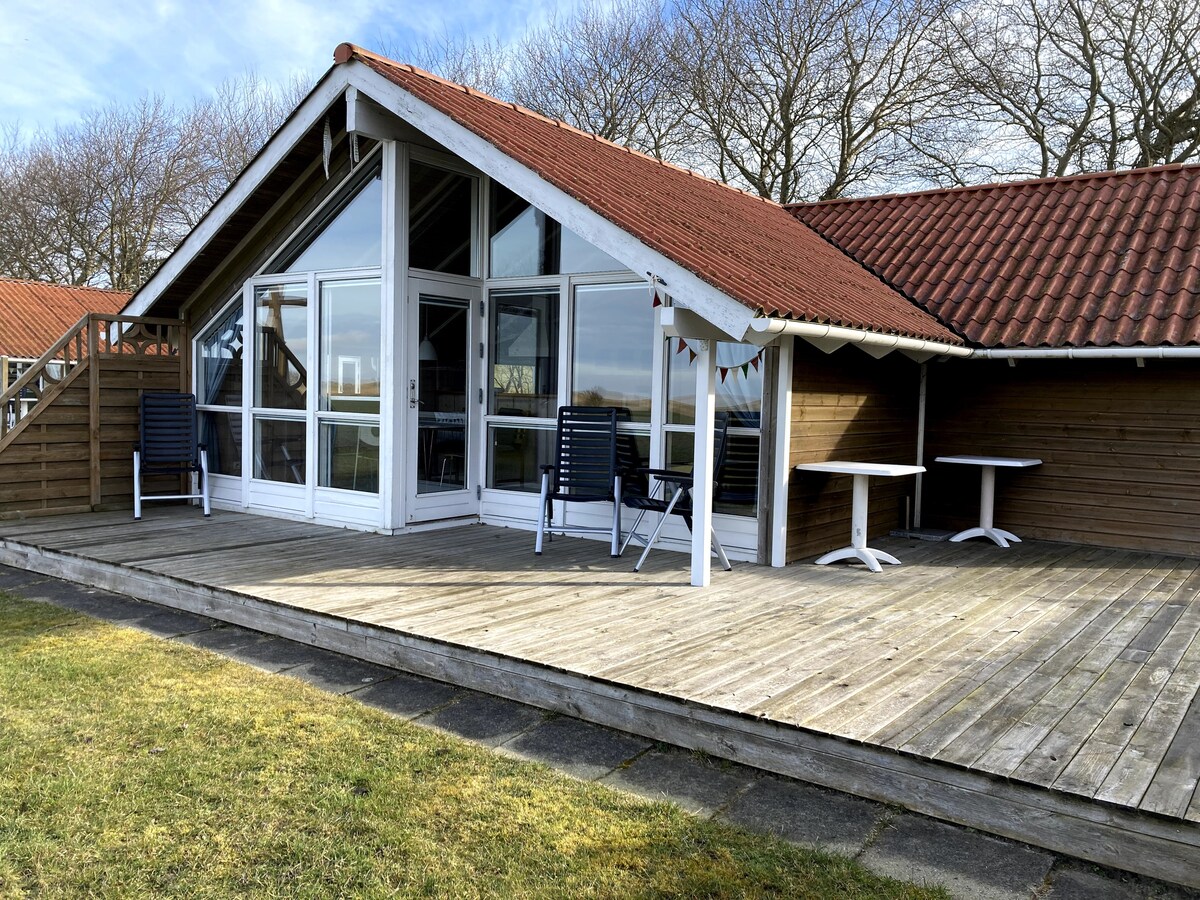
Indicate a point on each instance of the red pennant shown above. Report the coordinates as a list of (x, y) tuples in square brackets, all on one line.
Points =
[(656, 301), (683, 346), (754, 362), (724, 373)]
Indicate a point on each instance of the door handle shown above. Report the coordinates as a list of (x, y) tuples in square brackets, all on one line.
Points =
[(412, 393)]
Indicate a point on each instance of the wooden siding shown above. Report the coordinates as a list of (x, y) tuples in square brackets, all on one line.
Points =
[(848, 406), (55, 463), (1120, 449)]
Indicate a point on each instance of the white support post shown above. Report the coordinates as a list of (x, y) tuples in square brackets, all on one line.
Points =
[(702, 470)]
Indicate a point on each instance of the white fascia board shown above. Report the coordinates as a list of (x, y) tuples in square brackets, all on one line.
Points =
[(307, 114), (685, 288)]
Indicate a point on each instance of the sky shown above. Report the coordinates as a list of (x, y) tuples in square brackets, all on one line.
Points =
[(58, 58)]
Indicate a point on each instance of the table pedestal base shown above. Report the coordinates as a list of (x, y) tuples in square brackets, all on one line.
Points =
[(868, 555), (999, 535)]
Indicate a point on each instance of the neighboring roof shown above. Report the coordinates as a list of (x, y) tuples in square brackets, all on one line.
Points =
[(748, 248), (34, 314), (1102, 260)]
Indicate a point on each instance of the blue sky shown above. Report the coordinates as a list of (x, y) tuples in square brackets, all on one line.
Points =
[(60, 57)]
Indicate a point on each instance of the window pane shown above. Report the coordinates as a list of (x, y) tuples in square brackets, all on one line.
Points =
[(443, 367), (613, 349), (524, 354), (281, 316), (515, 455), (523, 240), (221, 434), (351, 238), (279, 450), (349, 457), (220, 363), (739, 394), (736, 475), (351, 329), (439, 220), (580, 256)]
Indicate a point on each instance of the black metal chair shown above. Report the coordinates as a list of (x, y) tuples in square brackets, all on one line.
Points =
[(585, 470), (671, 494), (168, 446)]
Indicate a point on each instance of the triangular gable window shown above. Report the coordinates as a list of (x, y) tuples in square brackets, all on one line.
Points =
[(348, 236)]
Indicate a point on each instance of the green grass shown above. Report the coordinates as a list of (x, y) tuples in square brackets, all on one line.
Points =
[(132, 766)]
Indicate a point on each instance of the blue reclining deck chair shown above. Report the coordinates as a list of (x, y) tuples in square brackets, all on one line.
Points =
[(585, 470), (671, 495), (168, 446)]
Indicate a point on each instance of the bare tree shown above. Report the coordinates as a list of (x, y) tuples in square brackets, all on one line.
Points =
[(604, 70), (481, 63)]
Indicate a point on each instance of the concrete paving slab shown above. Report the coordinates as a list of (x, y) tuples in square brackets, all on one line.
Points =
[(12, 578), (578, 748), (263, 651), (700, 784), (89, 601), (406, 695), (484, 719), (1076, 883), (806, 814), (969, 864), (339, 674), (170, 622)]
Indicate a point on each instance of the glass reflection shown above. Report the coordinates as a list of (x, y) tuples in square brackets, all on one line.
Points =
[(439, 220), (220, 363), (524, 354), (613, 349), (351, 329), (351, 239), (739, 394), (349, 457), (279, 450), (281, 328)]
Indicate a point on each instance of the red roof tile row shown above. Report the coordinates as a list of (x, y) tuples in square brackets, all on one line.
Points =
[(748, 248), (1110, 259), (34, 314)]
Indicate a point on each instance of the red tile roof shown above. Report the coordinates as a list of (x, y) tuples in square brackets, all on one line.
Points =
[(34, 314), (748, 248), (1110, 259)]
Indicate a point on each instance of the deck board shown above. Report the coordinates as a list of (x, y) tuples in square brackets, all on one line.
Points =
[(1070, 668)]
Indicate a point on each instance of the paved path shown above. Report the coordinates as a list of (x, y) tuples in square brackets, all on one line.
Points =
[(886, 840)]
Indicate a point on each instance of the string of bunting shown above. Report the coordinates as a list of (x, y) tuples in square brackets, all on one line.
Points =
[(730, 357)]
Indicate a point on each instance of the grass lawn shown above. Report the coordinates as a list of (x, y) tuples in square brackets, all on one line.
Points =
[(133, 766)]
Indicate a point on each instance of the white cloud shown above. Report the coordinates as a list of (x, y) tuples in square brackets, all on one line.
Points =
[(60, 57)]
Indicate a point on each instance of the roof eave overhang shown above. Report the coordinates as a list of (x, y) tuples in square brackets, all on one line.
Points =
[(328, 91), (832, 337)]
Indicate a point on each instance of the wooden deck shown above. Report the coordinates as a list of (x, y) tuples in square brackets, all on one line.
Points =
[(1047, 692)]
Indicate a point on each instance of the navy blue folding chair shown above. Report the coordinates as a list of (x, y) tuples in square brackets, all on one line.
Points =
[(168, 446), (585, 470)]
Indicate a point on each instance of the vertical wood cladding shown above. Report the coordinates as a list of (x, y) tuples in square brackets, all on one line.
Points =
[(848, 406), (1120, 449)]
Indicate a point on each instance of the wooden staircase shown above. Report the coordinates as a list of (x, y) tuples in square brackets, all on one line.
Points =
[(69, 423)]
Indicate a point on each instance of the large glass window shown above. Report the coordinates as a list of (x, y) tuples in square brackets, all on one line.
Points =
[(439, 220), (219, 391), (349, 456), (524, 241), (279, 450), (348, 236), (524, 354), (281, 346), (613, 349), (351, 333)]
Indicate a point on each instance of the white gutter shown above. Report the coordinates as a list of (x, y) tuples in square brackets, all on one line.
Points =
[(872, 339), (1090, 353)]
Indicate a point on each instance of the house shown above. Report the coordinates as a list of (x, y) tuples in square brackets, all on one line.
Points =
[(35, 314), (392, 301)]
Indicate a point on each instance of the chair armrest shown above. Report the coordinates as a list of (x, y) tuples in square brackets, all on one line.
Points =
[(674, 476), (546, 467)]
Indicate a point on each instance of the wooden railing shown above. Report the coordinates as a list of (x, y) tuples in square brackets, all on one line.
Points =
[(95, 335)]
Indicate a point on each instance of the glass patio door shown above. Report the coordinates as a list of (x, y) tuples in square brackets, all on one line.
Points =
[(442, 400)]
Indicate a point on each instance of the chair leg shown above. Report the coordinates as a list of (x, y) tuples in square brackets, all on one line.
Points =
[(658, 529), (616, 529), (716, 542), (204, 486), (543, 512), (633, 532), (137, 485)]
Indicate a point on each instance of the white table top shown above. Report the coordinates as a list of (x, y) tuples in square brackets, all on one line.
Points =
[(839, 467), (990, 461)]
